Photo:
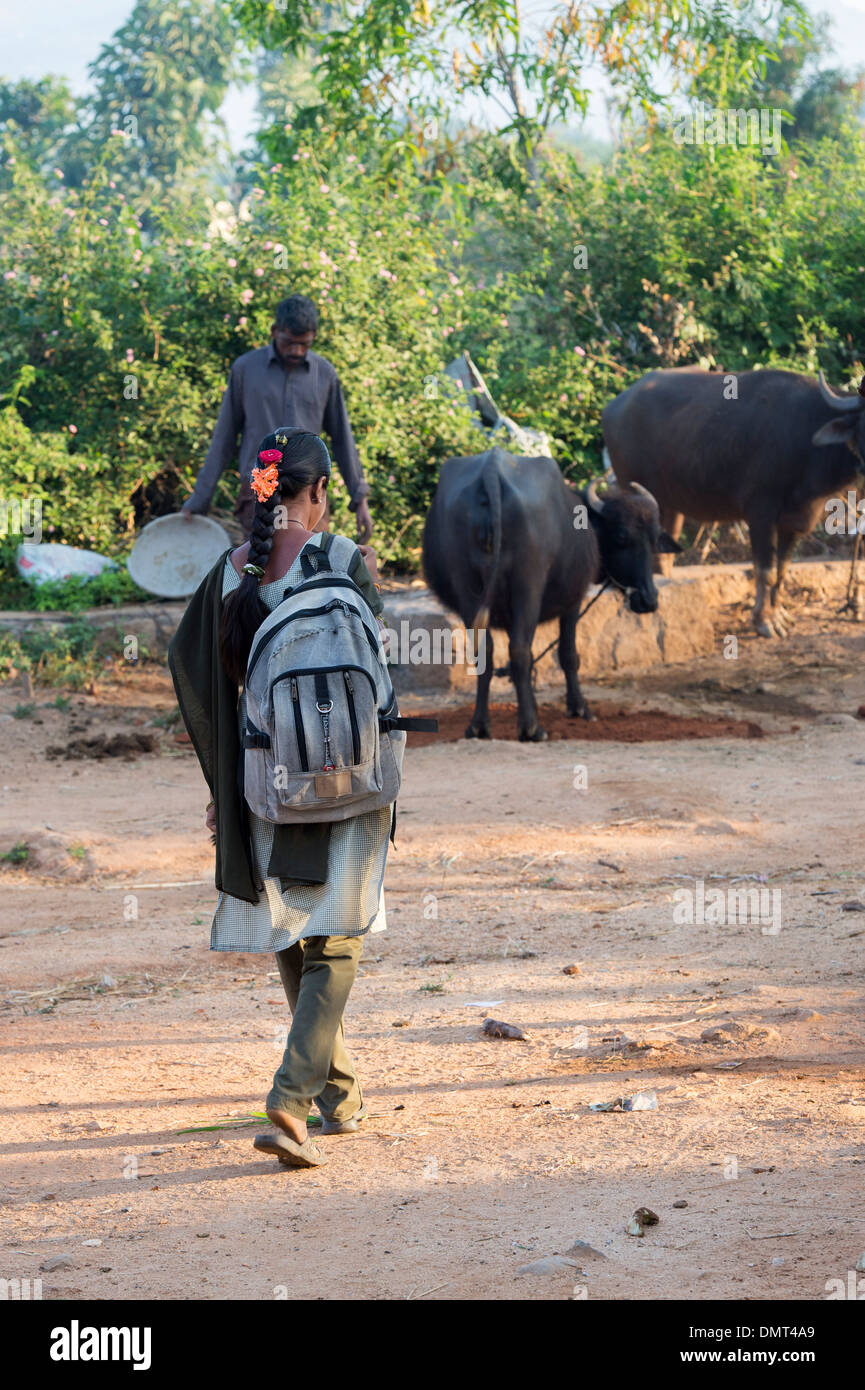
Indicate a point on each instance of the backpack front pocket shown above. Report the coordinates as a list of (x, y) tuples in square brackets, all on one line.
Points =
[(326, 736)]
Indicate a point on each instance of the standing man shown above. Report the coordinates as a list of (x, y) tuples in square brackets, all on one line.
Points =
[(284, 383)]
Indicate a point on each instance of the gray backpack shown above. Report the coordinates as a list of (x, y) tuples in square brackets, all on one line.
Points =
[(323, 738)]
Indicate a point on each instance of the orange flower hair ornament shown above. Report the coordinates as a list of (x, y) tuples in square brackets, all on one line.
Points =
[(265, 480)]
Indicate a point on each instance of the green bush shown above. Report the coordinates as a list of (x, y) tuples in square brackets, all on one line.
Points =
[(115, 345)]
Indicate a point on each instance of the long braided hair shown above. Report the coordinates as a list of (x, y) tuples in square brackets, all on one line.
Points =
[(305, 459)]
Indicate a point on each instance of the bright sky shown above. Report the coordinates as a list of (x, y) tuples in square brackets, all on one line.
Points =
[(55, 36)]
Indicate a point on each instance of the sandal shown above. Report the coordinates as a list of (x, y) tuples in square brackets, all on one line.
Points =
[(288, 1151), (331, 1126)]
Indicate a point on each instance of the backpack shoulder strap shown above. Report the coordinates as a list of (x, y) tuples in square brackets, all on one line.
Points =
[(315, 561)]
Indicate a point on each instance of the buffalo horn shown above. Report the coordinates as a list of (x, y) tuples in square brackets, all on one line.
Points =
[(644, 492), (592, 497), (837, 402)]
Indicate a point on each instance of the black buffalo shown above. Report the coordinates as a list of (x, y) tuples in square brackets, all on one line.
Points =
[(507, 544), (765, 447)]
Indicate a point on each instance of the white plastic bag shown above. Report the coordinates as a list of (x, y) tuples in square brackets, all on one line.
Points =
[(40, 563)]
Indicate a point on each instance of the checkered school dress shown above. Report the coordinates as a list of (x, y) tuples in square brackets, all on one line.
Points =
[(349, 903)]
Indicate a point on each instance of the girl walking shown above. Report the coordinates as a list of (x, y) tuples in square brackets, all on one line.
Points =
[(308, 892)]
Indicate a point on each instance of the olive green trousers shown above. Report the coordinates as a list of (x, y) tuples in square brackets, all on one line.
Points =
[(317, 975)]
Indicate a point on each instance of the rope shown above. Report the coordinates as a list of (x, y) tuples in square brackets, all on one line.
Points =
[(506, 670)]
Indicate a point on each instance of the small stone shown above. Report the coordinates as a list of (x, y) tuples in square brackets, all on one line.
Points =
[(642, 1217), (56, 1262), (105, 1269), (496, 1028), (91, 1242), (584, 1251), (860, 1264), (778, 1259), (571, 970), (679, 1205), (400, 1023)]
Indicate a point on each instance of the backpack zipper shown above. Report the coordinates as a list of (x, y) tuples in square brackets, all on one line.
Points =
[(326, 670), (352, 714), (298, 725), (309, 613)]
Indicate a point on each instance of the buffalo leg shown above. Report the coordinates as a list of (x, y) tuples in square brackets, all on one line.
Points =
[(480, 725), (764, 549), (786, 542), (521, 635), (671, 522), (569, 660)]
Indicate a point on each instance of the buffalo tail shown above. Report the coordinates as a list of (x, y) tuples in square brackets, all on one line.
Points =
[(492, 484)]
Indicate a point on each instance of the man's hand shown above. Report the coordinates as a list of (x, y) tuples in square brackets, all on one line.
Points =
[(210, 817), (188, 512), (364, 522), (371, 562)]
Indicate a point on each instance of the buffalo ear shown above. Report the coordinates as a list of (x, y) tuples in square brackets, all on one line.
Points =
[(667, 546), (837, 430)]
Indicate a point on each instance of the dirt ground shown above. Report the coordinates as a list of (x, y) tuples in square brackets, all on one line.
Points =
[(124, 1038)]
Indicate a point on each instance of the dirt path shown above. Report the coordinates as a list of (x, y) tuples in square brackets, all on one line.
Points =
[(121, 1030)]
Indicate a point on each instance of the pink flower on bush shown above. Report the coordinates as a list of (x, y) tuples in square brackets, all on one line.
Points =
[(242, 321), (73, 429), (130, 355), (323, 188), (258, 271), (580, 351), (231, 261), (246, 296)]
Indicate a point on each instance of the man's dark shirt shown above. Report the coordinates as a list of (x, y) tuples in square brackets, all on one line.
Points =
[(260, 396)]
